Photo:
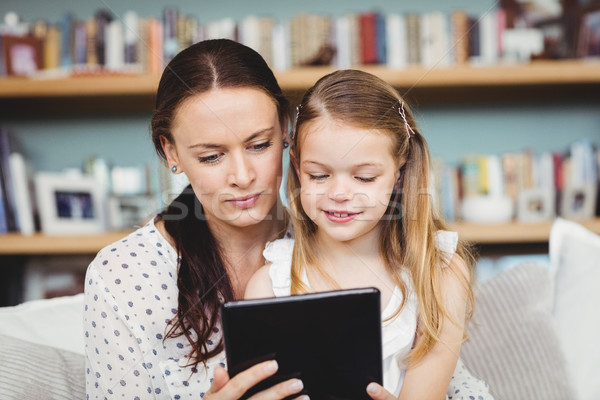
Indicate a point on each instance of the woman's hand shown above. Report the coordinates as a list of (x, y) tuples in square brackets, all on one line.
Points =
[(377, 392), (225, 388)]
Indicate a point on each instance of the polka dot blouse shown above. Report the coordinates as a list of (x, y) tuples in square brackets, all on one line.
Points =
[(130, 297)]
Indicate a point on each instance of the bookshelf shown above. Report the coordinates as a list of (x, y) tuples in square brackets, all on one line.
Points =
[(481, 234), (584, 76), (537, 73)]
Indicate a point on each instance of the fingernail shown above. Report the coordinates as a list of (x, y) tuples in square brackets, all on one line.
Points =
[(296, 385), (271, 366), (305, 397), (373, 388)]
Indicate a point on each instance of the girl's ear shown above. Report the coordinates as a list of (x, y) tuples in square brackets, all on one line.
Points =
[(170, 153)]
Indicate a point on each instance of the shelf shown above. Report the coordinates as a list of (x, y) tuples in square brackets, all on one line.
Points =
[(538, 73), (16, 244), (513, 232)]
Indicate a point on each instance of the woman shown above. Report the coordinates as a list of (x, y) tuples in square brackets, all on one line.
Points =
[(151, 316)]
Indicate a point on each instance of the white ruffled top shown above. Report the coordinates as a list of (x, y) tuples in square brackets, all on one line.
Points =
[(398, 334)]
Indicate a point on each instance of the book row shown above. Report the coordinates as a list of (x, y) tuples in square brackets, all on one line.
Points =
[(525, 186), (132, 43)]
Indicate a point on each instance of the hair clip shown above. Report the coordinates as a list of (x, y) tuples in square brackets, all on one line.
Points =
[(298, 107), (402, 113)]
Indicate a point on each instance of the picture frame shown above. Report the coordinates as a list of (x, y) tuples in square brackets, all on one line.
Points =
[(23, 55), (70, 205), (129, 212), (578, 202), (588, 42), (536, 205)]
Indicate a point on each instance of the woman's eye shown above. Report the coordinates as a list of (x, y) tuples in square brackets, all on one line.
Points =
[(365, 178), (261, 146), (213, 158)]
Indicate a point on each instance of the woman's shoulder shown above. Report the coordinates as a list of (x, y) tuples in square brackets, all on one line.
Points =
[(143, 247)]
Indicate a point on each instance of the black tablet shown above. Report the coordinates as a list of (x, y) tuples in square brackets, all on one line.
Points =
[(329, 340)]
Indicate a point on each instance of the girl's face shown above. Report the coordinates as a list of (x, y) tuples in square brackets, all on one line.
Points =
[(347, 176), (229, 143)]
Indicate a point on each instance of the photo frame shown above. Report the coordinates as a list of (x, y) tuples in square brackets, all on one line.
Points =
[(535, 205), (23, 55), (129, 212), (588, 43), (70, 205), (578, 202)]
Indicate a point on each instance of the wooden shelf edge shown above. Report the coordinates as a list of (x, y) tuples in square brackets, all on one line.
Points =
[(513, 232), (38, 244), (541, 73)]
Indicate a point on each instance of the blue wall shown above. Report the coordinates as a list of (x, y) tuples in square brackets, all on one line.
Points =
[(452, 130)]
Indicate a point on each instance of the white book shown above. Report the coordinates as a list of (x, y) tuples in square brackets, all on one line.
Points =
[(341, 36), (115, 50), (22, 189), (494, 176), (281, 49), (395, 31), (488, 37), (131, 36)]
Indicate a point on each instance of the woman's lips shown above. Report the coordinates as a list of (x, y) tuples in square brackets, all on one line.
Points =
[(245, 202), (340, 216)]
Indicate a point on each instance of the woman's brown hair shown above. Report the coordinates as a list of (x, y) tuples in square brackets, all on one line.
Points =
[(407, 245), (202, 279)]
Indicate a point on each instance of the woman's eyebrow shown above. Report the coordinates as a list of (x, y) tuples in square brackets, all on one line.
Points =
[(218, 146)]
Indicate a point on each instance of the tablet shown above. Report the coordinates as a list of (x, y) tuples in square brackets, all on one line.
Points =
[(330, 340)]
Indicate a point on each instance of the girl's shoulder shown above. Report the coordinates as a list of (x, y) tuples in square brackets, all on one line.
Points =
[(278, 254), (446, 241)]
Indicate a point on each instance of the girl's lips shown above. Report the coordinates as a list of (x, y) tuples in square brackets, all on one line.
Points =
[(245, 202), (340, 217)]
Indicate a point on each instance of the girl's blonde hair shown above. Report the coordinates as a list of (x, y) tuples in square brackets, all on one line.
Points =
[(407, 242)]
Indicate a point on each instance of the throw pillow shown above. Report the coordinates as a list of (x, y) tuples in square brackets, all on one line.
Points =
[(30, 371), (575, 258), (513, 343)]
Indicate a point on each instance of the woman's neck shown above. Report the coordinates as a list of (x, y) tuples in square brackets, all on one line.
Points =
[(242, 248)]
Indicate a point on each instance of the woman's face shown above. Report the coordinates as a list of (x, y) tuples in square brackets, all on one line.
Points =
[(229, 143)]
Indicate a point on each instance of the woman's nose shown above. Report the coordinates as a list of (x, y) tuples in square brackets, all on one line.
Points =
[(242, 173)]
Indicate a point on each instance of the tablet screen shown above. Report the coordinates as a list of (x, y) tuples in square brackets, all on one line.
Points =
[(329, 340)]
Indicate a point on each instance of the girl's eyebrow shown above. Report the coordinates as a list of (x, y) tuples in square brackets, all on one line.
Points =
[(247, 140), (367, 164)]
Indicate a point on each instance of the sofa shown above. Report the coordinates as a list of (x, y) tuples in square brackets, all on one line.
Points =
[(533, 334)]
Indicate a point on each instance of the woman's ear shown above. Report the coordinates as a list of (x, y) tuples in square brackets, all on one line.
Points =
[(285, 130), (171, 154)]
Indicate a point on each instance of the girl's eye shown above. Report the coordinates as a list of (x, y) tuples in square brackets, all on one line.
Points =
[(261, 146), (365, 179), (317, 177), (213, 158)]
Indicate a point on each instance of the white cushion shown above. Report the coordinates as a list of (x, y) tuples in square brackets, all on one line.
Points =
[(56, 322), (513, 343), (575, 259), (30, 371)]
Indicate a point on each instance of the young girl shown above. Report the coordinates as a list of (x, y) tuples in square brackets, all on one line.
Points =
[(362, 216)]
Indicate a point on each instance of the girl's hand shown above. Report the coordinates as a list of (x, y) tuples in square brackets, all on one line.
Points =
[(377, 392), (225, 388)]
